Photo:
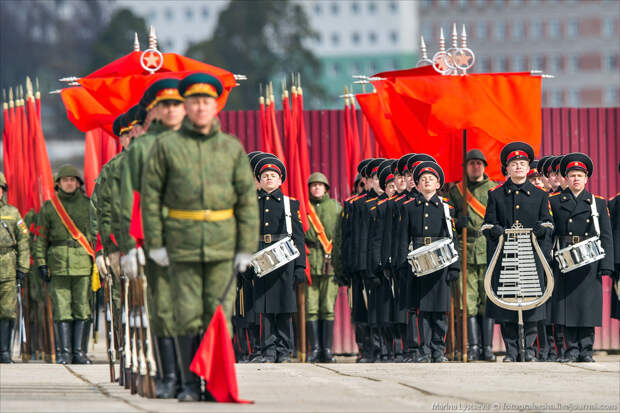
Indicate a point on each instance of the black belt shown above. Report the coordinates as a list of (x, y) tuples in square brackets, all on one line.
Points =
[(66, 243), (427, 240), (269, 238), (572, 239), (473, 233), (6, 250)]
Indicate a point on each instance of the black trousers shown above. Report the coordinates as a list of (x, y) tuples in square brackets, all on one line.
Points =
[(510, 334), (579, 341), (276, 337), (434, 329)]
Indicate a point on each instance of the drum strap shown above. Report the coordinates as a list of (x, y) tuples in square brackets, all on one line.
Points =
[(287, 215), (597, 227), (446, 212)]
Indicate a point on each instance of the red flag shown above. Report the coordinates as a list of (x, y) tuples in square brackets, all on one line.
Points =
[(6, 142), (20, 177), (265, 140), (275, 139), (215, 361), (99, 148), (135, 227), (85, 112), (355, 145), (388, 137), (42, 181), (367, 148)]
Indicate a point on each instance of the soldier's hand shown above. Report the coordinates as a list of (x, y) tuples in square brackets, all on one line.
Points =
[(300, 276), (341, 281), (452, 275), (495, 232), (160, 256), (101, 267), (21, 276), (242, 261), (115, 262), (129, 264), (460, 223), (44, 273), (539, 230)]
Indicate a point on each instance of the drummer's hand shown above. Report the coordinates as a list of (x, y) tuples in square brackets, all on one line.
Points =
[(495, 232), (460, 223), (453, 275), (300, 276), (539, 230)]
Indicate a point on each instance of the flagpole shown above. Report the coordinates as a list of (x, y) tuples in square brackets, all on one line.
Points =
[(464, 259)]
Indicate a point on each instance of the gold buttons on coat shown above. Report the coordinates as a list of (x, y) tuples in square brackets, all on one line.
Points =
[(570, 220), (266, 209), (266, 224), (517, 206)]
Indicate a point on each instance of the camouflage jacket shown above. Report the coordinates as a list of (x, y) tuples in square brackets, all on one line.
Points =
[(476, 242), (188, 170), (328, 211), (54, 246), (14, 251), (131, 179)]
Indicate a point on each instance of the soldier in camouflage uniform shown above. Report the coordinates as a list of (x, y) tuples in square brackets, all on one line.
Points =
[(478, 185), (165, 111), (14, 265), (66, 265), (321, 295), (203, 177)]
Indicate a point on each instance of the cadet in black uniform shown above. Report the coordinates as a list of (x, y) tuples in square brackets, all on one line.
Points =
[(274, 294), (578, 298), (427, 222), (516, 201)]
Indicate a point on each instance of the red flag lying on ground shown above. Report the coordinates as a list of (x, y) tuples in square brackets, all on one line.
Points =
[(215, 361)]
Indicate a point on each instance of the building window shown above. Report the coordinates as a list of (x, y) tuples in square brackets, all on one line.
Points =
[(501, 64), (608, 26), (170, 43), (189, 14), (481, 3), (394, 63), (462, 3), (318, 10), (485, 65), (555, 64), (572, 28), (572, 64), (535, 29), (372, 37), (611, 62), (372, 65), (573, 98), (499, 31), (426, 4), (355, 7), (610, 97), (335, 68), (516, 3), (335, 39), (319, 38), (372, 7), (538, 63), (169, 13), (427, 32), (553, 29), (357, 68), (205, 12), (498, 3), (394, 36), (518, 63), (355, 38), (517, 29), (444, 3), (393, 6), (335, 9)]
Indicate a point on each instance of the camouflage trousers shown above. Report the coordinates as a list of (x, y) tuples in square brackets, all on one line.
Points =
[(197, 288), (159, 294), (476, 296), (8, 299), (70, 297), (321, 298)]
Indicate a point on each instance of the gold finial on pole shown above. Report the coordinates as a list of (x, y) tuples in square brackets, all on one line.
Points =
[(455, 36), (29, 89), (38, 93), (299, 90), (423, 48), (11, 98), (464, 37), (442, 41)]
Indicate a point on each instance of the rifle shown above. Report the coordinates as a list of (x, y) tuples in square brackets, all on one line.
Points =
[(143, 386), (49, 320), (147, 339), (19, 335), (95, 317), (133, 338), (27, 352), (109, 325)]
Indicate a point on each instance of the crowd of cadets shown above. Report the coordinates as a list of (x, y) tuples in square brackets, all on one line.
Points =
[(207, 207)]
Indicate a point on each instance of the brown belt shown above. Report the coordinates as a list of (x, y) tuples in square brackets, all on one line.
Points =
[(572, 239), (269, 238), (66, 243), (427, 240)]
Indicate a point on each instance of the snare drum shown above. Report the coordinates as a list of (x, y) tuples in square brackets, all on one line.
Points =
[(274, 256), (577, 255), (432, 257)]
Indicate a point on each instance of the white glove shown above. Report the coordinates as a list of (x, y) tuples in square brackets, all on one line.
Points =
[(115, 262), (160, 256), (242, 261), (101, 267), (141, 258), (129, 264)]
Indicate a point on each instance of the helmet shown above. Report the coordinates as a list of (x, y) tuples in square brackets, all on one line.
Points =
[(318, 177), (476, 154), (69, 170), (3, 182)]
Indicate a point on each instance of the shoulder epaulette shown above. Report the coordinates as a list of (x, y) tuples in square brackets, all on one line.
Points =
[(292, 199), (373, 207), (371, 199), (599, 197), (383, 201), (495, 187), (409, 200), (614, 197), (401, 197), (554, 194), (351, 197)]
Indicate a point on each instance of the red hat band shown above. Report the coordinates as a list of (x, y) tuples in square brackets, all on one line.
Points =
[(514, 154), (271, 166), (429, 169), (576, 164), (389, 178)]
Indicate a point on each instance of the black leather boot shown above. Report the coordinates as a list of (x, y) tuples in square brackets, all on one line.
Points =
[(79, 329), (487, 339), (86, 337), (167, 388), (328, 339), (59, 356), (6, 330), (187, 346), (473, 345), (65, 331), (312, 332)]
